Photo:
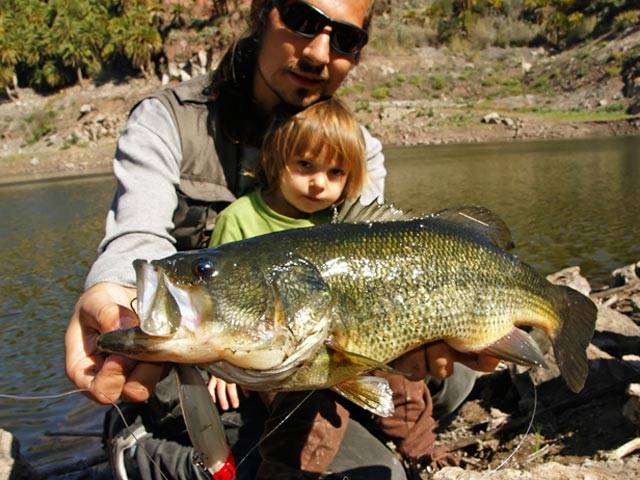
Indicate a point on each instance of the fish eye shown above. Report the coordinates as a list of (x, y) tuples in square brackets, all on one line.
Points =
[(203, 267)]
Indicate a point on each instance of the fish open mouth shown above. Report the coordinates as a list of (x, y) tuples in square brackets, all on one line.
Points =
[(162, 306)]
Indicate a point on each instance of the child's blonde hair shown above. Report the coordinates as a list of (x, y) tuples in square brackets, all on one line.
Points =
[(326, 128)]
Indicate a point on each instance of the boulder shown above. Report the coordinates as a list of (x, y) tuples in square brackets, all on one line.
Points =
[(12, 465)]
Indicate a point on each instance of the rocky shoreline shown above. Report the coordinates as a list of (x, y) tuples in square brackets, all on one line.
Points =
[(431, 97), (95, 157)]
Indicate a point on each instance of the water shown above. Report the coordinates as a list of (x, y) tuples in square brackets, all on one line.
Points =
[(566, 202), (48, 233), (571, 202)]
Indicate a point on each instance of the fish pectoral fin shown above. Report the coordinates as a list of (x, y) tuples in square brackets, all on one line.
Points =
[(340, 355), (519, 347), (371, 393), (301, 297)]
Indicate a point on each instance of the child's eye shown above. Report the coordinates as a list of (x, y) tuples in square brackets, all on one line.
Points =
[(304, 164), (336, 172)]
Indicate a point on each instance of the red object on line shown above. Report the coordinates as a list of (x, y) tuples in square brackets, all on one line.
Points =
[(227, 471)]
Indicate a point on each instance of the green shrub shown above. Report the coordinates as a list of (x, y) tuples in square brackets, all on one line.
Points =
[(613, 72), (615, 56), (626, 20), (354, 89), (41, 124), (363, 106), (616, 107), (438, 82), (381, 93)]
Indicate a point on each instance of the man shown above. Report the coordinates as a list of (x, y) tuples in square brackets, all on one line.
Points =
[(180, 159)]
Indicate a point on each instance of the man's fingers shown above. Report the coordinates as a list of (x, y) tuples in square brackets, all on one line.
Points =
[(108, 383), (221, 391), (440, 358), (142, 380), (479, 362)]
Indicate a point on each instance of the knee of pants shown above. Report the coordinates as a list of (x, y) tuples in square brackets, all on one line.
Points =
[(449, 394), (362, 457)]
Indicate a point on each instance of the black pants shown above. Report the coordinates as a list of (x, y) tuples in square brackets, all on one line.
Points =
[(164, 451)]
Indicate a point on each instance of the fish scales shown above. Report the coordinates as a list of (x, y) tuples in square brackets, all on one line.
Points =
[(318, 307), (399, 286)]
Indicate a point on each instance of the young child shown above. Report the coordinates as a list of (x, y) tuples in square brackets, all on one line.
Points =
[(310, 163)]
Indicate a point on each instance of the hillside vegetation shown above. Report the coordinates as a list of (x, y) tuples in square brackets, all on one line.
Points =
[(437, 71), (50, 44)]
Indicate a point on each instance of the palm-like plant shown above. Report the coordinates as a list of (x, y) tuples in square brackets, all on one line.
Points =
[(77, 33), (10, 54), (134, 36)]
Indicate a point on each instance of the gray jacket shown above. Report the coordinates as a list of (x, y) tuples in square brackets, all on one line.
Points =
[(174, 171)]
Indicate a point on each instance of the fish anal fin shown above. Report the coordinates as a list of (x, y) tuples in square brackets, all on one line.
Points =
[(371, 393), (517, 346), (340, 355)]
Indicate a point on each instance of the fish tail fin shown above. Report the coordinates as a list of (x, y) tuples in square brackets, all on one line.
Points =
[(577, 324)]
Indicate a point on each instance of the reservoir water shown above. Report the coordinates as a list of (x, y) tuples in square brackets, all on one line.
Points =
[(566, 202)]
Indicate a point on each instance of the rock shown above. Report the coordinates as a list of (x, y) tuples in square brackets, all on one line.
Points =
[(610, 320), (571, 278), (85, 108), (491, 118), (202, 58), (548, 471), (12, 465), (625, 275)]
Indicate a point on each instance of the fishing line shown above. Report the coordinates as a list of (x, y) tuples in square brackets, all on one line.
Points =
[(524, 437), (42, 397), (113, 403), (275, 428), (131, 432), (132, 305)]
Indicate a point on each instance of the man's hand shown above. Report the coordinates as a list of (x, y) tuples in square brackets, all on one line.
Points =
[(106, 378), (436, 360)]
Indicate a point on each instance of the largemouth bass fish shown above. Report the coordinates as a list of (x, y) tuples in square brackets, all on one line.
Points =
[(318, 307)]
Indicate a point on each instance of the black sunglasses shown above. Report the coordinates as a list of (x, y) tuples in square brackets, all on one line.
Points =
[(308, 20)]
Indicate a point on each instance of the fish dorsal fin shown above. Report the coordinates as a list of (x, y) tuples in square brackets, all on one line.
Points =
[(371, 393), (518, 347), (356, 212), (480, 221)]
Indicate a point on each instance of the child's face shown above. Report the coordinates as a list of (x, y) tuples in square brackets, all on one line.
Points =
[(311, 184)]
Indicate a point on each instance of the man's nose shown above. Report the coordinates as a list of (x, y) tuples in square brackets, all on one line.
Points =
[(318, 49)]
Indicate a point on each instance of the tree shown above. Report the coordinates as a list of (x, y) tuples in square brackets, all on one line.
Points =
[(134, 35), (10, 54), (77, 33)]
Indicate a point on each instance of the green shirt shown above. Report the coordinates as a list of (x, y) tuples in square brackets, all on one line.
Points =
[(250, 216)]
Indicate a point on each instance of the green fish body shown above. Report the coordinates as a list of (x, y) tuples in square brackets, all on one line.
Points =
[(319, 307)]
